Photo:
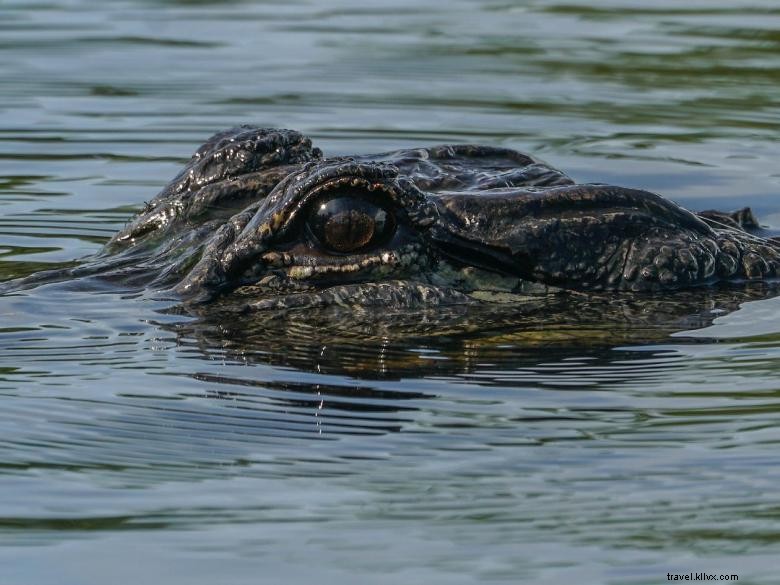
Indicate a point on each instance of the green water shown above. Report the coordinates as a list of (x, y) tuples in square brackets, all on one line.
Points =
[(136, 449)]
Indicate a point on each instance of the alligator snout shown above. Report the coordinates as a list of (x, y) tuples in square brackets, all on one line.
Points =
[(595, 237)]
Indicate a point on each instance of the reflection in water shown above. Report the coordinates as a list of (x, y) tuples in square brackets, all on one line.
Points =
[(568, 443), (366, 343), (325, 374)]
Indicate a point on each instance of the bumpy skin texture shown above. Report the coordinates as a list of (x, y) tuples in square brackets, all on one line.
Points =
[(467, 224)]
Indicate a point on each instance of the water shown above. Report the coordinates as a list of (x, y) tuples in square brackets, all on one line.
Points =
[(138, 447)]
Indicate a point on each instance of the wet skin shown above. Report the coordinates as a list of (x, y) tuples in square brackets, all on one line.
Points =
[(262, 217)]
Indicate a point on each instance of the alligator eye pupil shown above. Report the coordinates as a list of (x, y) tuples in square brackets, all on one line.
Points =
[(348, 224), (349, 230)]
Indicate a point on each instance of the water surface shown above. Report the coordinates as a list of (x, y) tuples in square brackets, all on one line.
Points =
[(138, 446)]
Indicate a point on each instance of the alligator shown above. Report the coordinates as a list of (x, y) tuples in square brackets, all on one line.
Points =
[(260, 216)]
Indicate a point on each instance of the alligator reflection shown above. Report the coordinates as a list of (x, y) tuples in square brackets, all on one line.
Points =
[(372, 343), (206, 387), (361, 348)]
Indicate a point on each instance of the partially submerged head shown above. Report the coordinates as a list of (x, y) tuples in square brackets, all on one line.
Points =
[(260, 215)]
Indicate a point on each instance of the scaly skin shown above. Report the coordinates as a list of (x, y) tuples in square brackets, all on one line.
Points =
[(462, 224)]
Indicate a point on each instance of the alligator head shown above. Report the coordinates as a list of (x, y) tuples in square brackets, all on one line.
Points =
[(260, 215)]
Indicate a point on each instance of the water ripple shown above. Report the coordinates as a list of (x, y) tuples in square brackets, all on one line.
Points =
[(141, 441)]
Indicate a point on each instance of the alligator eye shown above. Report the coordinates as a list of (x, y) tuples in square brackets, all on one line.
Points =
[(346, 224)]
